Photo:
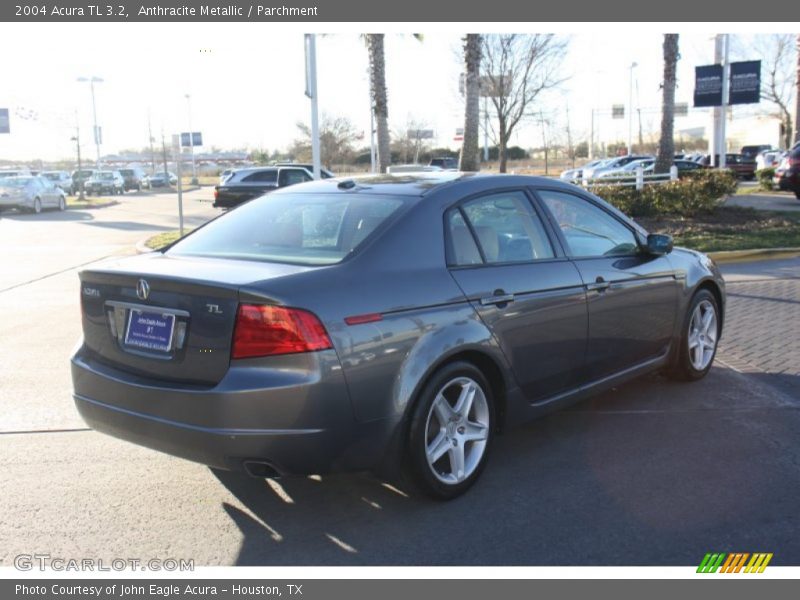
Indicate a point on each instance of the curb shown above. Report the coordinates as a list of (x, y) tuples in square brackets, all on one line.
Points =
[(756, 254), (92, 206), (142, 248)]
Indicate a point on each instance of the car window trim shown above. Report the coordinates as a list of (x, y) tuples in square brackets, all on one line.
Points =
[(555, 247), (563, 240)]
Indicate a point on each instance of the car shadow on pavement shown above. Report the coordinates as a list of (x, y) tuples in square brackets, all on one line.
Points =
[(655, 472), (130, 226), (55, 215)]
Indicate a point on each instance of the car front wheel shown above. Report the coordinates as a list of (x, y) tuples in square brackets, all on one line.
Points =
[(37, 205), (698, 344), (62, 203), (451, 431)]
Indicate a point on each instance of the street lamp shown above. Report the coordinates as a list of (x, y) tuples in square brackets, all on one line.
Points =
[(630, 109), (91, 81), (191, 137)]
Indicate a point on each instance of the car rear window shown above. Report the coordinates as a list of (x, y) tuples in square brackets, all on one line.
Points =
[(306, 229)]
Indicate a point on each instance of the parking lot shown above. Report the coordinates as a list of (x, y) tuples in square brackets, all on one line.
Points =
[(654, 472)]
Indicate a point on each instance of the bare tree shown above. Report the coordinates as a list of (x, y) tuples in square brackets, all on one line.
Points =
[(336, 138), (778, 78), (666, 145), (470, 147), (517, 69), (407, 141)]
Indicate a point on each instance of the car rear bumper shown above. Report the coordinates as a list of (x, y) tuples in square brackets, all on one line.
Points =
[(16, 202), (300, 424)]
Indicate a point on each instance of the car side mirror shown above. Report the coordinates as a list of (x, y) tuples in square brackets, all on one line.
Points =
[(659, 244)]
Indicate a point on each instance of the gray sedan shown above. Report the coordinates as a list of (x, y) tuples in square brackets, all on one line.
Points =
[(31, 194), (391, 323)]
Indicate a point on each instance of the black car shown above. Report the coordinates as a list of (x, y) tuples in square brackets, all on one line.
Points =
[(755, 150), (444, 162), (133, 178), (387, 323), (79, 179), (246, 184)]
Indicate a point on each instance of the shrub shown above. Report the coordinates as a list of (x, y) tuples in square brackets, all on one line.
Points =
[(765, 178), (697, 192)]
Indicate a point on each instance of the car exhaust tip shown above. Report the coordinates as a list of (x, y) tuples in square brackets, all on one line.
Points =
[(261, 469)]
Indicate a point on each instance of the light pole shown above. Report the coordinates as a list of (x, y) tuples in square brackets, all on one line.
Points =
[(91, 81), (191, 137), (630, 109)]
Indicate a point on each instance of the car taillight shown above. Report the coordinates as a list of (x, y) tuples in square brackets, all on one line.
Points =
[(263, 330), (794, 161), (216, 193)]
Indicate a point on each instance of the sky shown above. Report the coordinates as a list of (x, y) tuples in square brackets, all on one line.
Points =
[(246, 82)]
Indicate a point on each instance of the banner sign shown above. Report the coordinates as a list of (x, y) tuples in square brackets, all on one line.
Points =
[(745, 84), (196, 139), (4, 125), (708, 86)]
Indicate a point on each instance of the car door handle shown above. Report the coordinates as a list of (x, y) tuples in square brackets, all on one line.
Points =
[(599, 285), (499, 297)]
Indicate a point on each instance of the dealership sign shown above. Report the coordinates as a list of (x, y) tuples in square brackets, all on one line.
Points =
[(744, 85), (708, 86)]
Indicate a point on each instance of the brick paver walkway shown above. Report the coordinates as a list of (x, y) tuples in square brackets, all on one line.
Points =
[(762, 326)]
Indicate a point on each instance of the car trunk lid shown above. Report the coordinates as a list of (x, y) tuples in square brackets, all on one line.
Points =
[(168, 318)]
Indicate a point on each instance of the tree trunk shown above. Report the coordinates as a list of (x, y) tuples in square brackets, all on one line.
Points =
[(470, 148), (502, 150), (797, 95), (666, 146), (380, 105)]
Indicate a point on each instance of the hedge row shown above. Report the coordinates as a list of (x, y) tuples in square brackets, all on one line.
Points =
[(696, 192)]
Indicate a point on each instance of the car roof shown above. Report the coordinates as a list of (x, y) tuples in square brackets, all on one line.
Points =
[(421, 183)]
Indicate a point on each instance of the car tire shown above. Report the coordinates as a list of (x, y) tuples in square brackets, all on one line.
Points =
[(699, 338), (797, 193), (37, 206), (62, 203), (450, 432)]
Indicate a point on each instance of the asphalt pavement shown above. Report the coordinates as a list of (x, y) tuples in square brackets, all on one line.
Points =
[(652, 473)]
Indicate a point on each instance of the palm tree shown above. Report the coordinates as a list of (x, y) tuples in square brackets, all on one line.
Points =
[(470, 153), (666, 146), (377, 89), (797, 95)]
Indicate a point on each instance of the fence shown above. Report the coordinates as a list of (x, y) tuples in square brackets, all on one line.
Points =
[(637, 179)]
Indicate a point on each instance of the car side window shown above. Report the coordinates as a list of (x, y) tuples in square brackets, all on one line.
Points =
[(507, 228), (463, 250), (589, 230), (292, 176), (261, 177)]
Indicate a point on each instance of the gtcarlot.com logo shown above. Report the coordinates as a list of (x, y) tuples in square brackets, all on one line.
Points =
[(734, 562)]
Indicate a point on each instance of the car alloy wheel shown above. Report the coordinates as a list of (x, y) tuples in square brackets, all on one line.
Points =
[(457, 430), (450, 432), (702, 338), (62, 203), (695, 353), (37, 205)]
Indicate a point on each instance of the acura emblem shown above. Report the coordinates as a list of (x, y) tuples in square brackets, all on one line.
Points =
[(142, 289)]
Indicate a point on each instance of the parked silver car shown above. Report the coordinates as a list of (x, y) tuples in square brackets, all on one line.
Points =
[(61, 179), (577, 173), (31, 194)]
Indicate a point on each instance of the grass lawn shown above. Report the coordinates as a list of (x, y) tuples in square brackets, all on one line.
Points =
[(88, 201), (201, 180), (164, 239), (731, 228)]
